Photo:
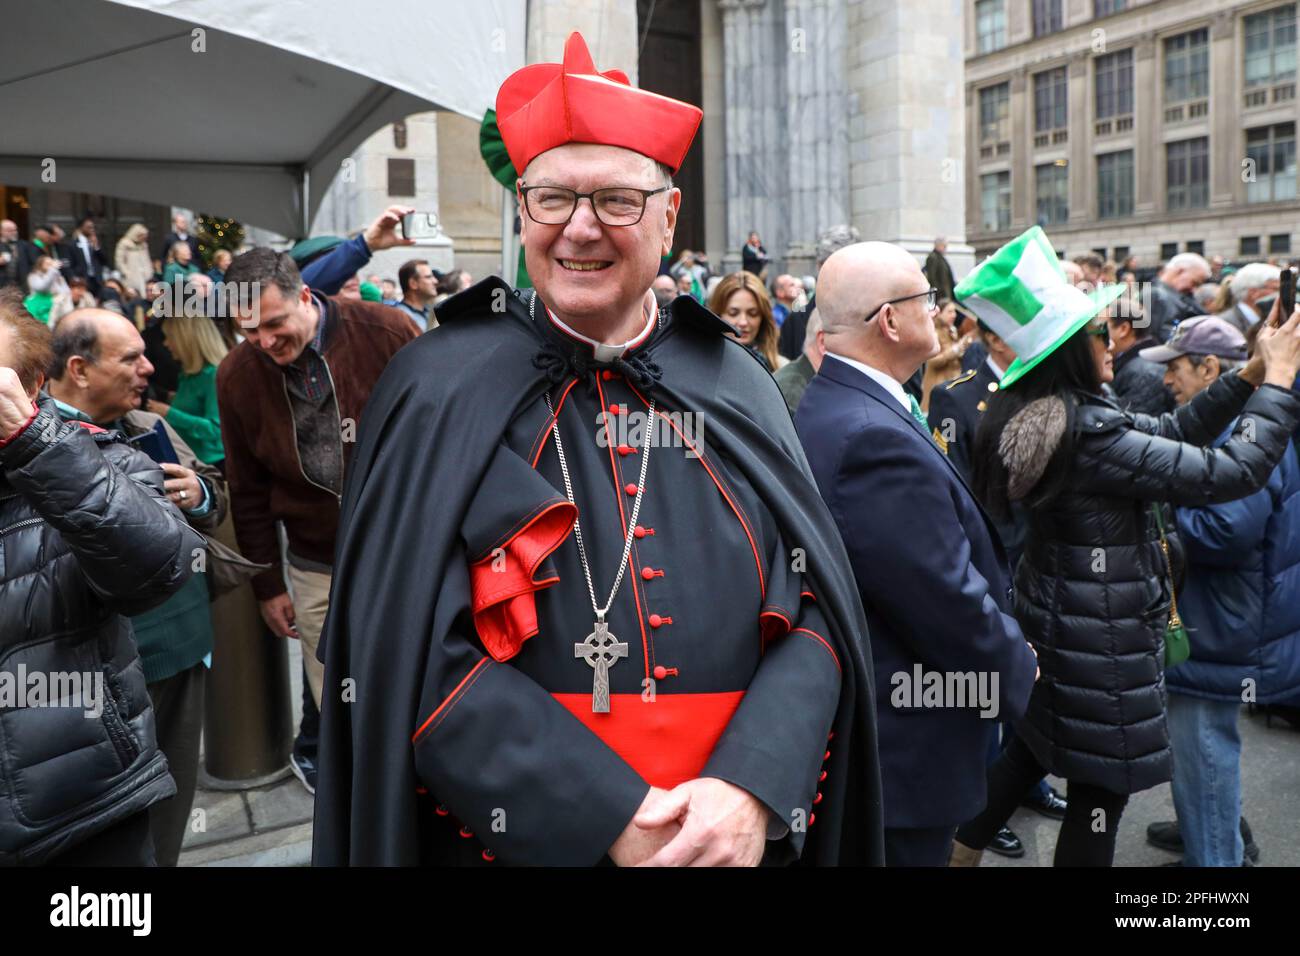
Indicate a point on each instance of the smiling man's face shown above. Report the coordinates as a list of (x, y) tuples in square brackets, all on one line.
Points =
[(588, 272)]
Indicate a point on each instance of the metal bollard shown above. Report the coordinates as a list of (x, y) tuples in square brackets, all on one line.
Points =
[(248, 717)]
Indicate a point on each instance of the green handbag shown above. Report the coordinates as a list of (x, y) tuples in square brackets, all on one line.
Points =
[(1177, 646)]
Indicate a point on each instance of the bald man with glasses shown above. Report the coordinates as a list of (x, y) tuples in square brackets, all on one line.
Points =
[(949, 658)]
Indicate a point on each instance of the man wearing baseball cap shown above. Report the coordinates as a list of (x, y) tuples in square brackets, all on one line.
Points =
[(1240, 595), (681, 677), (1201, 349)]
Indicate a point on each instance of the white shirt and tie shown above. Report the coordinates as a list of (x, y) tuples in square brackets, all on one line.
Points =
[(885, 381)]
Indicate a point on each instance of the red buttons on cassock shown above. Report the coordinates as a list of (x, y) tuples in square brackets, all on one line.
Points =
[(830, 736), (656, 620), (630, 488), (647, 573), (641, 532), (466, 832), (615, 409), (625, 450), (822, 777), (661, 672), (421, 791), (817, 799), (441, 810), (606, 375), (827, 757), (812, 818), (488, 855)]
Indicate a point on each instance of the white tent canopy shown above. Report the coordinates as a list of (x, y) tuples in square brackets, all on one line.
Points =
[(250, 116)]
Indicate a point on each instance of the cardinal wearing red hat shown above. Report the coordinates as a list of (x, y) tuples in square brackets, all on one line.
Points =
[(588, 604)]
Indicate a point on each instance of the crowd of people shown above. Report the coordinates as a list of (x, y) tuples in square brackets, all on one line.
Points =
[(909, 543), (138, 358)]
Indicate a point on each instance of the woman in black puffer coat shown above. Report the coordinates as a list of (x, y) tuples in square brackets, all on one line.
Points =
[(1092, 590), (87, 535)]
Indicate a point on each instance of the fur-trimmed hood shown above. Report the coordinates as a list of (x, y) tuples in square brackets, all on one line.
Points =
[(1029, 440)]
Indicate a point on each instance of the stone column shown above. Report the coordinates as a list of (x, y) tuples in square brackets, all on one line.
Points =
[(1227, 145), (816, 127), (756, 143), (1148, 150), (610, 30), (907, 134), (971, 165), (713, 128), (1022, 134), (1083, 168)]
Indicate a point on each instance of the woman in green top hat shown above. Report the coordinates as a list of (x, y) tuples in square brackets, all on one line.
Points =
[(1096, 586)]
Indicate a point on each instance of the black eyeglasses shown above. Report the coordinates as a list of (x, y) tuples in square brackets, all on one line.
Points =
[(614, 205), (931, 302)]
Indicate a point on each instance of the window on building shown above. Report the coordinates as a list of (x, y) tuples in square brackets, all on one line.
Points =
[(1279, 243), (1052, 193), (1187, 66), (1104, 8), (1047, 17), (1195, 245), (990, 25), (995, 113), (1187, 174), (1051, 95), (401, 177), (1270, 154), (1168, 250), (1115, 184), (1270, 46), (1115, 84), (1121, 253), (1248, 246), (995, 201)]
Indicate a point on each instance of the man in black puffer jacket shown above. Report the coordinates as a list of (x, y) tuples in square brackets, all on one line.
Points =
[(87, 535)]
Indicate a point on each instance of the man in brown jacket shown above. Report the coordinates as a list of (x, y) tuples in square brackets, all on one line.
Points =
[(291, 397)]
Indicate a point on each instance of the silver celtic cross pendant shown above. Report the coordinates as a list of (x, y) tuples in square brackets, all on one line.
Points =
[(601, 650)]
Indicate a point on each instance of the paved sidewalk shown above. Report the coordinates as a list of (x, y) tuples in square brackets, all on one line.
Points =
[(268, 826), (1270, 799)]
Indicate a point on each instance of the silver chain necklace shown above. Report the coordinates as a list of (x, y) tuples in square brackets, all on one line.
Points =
[(601, 650)]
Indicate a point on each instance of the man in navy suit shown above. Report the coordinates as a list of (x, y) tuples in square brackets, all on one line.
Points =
[(948, 655)]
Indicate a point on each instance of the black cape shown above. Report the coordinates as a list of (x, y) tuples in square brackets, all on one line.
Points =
[(427, 436)]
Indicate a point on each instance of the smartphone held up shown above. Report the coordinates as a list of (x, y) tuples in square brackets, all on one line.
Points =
[(1285, 292), (420, 225)]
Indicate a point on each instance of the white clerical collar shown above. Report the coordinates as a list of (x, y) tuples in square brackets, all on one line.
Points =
[(1251, 315), (887, 382), (600, 351), (998, 371)]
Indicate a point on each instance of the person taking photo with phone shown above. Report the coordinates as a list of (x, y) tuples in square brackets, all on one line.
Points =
[(1095, 589)]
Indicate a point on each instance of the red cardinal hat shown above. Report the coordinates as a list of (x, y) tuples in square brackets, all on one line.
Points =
[(546, 105)]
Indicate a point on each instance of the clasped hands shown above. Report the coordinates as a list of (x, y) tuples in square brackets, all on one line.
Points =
[(702, 822)]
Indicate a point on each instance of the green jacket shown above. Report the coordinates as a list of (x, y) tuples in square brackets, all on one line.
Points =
[(194, 414)]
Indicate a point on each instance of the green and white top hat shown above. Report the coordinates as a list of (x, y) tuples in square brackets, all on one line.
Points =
[(1021, 293)]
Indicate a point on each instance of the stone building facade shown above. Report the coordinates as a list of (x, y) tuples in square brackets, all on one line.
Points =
[(817, 113), (1144, 128)]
